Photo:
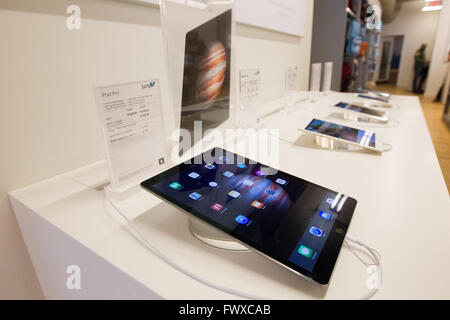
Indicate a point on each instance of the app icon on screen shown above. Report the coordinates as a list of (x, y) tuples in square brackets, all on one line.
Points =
[(213, 184), (195, 195), (280, 181), (316, 231), (248, 182), (325, 215), (260, 173), (234, 194), (241, 165), (209, 166), (194, 175), (241, 219), (305, 251), (227, 174), (257, 204), (217, 207), (175, 185)]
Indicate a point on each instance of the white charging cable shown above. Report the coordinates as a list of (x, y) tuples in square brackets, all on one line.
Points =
[(375, 264), (191, 275), (166, 259)]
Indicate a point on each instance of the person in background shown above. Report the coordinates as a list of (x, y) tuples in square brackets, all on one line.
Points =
[(439, 95), (423, 76), (419, 65)]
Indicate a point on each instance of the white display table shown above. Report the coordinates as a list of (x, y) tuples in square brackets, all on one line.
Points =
[(403, 211)]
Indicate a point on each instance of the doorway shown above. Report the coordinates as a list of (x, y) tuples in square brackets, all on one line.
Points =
[(391, 52), (395, 61), (387, 47)]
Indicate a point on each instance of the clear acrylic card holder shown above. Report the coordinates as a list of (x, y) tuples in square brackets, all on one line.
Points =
[(200, 57)]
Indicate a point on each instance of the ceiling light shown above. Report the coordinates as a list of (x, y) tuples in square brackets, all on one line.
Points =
[(431, 8)]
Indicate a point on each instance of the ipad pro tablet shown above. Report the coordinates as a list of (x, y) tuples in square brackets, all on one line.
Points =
[(294, 222)]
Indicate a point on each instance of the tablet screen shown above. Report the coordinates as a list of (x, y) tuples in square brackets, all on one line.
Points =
[(362, 137), (206, 75), (356, 108), (295, 222), (368, 96)]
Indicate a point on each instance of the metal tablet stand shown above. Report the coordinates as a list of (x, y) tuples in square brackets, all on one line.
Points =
[(213, 237), (353, 117), (331, 144)]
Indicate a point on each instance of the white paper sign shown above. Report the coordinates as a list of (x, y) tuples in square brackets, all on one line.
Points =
[(250, 86), (327, 76), (287, 16), (316, 72), (292, 78), (131, 116), (249, 92)]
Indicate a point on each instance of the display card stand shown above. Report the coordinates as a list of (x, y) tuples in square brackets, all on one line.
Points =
[(122, 194), (314, 96), (315, 80), (303, 97), (212, 237), (248, 119), (327, 78), (289, 104), (327, 93), (249, 113), (291, 89)]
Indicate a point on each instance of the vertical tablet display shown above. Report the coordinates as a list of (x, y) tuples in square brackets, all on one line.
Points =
[(206, 77)]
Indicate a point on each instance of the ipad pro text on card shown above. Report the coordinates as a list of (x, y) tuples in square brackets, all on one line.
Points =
[(133, 127)]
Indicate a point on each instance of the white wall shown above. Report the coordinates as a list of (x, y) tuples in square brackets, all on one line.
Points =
[(48, 119), (439, 68), (418, 27)]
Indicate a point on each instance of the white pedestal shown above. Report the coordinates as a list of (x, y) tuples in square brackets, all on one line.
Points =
[(403, 211)]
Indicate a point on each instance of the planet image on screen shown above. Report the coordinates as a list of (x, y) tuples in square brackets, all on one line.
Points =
[(211, 73)]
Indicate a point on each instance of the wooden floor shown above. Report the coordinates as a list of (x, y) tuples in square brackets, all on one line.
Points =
[(439, 131)]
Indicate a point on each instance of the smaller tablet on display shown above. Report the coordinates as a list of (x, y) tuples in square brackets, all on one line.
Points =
[(373, 97), (363, 111), (359, 137)]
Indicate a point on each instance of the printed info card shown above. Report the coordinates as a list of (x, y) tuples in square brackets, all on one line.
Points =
[(132, 121)]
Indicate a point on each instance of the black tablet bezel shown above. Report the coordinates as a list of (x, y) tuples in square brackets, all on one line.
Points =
[(325, 264)]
